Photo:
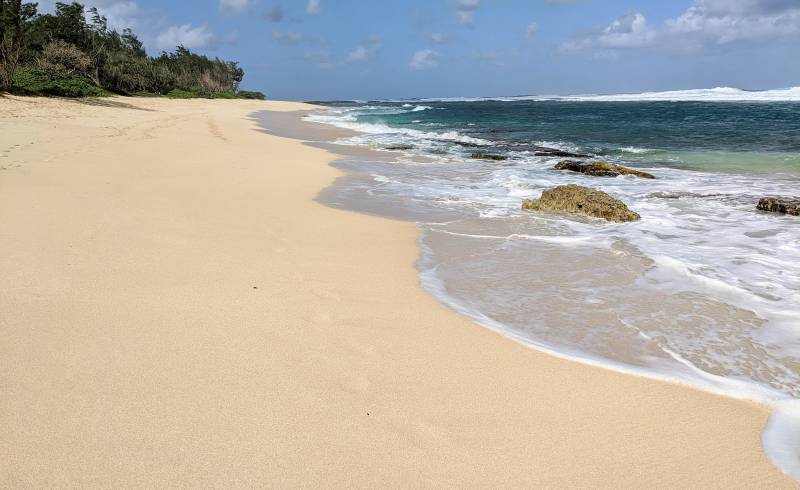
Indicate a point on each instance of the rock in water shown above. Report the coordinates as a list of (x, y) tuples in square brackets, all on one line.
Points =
[(467, 144), (780, 205), (576, 199), (600, 169), (547, 152), (487, 156)]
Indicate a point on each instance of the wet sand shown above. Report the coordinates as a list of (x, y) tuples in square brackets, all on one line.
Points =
[(179, 310)]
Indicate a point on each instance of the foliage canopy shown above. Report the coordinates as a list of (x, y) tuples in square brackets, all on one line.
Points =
[(72, 52)]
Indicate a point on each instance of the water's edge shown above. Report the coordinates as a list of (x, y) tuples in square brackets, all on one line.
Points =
[(780, 436)]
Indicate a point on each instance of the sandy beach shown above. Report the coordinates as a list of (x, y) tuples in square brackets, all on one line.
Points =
[(177, 310)]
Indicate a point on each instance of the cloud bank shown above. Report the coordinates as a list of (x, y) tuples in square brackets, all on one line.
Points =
[(707, 23)]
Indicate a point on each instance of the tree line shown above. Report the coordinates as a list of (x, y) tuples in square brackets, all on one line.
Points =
[(72, 52)]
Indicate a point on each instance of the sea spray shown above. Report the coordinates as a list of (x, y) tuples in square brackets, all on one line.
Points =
[(704, 290)]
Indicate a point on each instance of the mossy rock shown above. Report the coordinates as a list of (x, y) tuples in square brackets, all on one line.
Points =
[(487, 156), (579, 200), (600, 169), (781, 205)]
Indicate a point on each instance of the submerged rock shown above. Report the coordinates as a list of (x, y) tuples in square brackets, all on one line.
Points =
[(552, 152), (783, 205), (600, 169), (467, 144), (576, 199), (487, 156), (399, 147)]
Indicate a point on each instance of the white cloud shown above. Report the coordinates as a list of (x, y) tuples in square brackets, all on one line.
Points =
[(313, 7), (366, 50), (465, 10), (532, 29), (358, 54), (234, 7), (121, 14), (288, 38), (722, 22), (706, 23), (437, 37), (468, 4), (185, 35), (424, 59)]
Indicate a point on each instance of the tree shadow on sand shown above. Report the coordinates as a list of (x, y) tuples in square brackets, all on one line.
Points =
[(107, 102)]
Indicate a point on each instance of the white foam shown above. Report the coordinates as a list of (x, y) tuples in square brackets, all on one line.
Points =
[(635, 150), (781, 437), (699, 228), (718, 94), (348, 120), (561, 240)]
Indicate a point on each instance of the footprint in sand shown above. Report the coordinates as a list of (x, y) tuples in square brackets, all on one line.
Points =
[(215, 131)]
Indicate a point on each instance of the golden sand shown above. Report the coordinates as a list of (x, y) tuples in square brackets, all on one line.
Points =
[(177, 310)]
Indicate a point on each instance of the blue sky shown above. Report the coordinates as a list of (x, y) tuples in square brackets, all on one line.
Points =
[(346, 49)]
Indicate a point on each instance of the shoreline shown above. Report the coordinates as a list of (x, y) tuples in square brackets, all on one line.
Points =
[(197, 297), (784, 423)]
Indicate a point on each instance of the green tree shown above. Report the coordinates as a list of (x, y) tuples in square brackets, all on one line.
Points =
[(14, 22), (73, 46)]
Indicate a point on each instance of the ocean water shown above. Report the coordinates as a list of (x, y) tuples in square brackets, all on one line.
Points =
[(704, 290)]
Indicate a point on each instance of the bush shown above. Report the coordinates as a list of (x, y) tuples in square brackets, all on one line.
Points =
[(61, 57), (78, 44), (180, 94), (223, 95), (247, 94), (36, 81)]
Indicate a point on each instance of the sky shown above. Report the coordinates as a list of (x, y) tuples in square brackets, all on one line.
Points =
[(378, 49)]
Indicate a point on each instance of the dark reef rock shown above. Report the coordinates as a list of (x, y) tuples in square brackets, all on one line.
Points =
[(487, 156), (600, 169), (470, 145), (576, 199), (399, 147), (552, 152), (783, 205)]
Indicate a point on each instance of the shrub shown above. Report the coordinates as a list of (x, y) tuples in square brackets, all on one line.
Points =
[(247, 94), (180, 94), (78, 44), (223, 95), (61, 57), (36, 81)]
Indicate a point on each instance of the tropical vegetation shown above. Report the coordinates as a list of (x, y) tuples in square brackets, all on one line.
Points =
[(73, 53)]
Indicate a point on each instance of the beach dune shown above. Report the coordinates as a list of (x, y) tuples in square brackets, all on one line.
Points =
[(177, 310)]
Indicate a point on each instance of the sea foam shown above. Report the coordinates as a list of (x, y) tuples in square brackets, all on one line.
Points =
[(718, 94)]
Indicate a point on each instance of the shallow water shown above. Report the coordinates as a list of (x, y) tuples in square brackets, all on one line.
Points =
[(704, 289), (703, 282)]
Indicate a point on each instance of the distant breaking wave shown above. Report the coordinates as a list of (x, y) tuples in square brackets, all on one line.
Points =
[(719, 94)]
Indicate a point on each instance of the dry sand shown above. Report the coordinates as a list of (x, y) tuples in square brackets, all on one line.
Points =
[(176, 310)]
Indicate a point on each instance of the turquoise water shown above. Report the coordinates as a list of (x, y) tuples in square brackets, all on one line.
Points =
[(714, 136), (704, 289)]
